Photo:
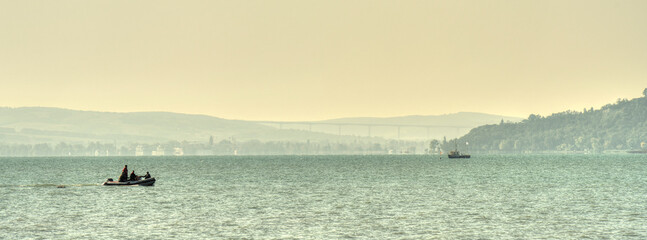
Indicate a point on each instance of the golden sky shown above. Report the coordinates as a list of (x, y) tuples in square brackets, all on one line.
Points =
[(314, 60)]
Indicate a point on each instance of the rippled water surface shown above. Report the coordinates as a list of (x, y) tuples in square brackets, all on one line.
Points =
[(328, 197)]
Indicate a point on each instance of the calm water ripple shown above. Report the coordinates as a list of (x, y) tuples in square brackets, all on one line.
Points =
[(328, 197)]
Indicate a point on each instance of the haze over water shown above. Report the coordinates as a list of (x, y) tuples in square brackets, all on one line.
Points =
[(328, 197), (291, 60)]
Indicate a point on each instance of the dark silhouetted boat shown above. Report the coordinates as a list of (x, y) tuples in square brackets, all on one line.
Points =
[(456, 153), (143, 182)]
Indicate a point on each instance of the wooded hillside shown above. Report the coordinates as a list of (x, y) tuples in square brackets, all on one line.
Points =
[(619, 126)]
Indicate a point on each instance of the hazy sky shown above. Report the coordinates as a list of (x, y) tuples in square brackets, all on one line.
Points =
[(312, 60)]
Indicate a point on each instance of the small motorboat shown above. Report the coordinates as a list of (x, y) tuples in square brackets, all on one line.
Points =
[(142, 182), (457, 154)]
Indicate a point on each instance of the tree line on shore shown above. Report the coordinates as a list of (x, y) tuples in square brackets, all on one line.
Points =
[(614, 127), (223, 147)]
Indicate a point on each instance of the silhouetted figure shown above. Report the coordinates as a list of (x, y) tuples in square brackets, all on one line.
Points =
[(124, 174), (133, 177), (147, 176)]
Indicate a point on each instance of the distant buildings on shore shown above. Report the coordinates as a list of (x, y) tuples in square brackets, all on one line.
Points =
[(159, 151)]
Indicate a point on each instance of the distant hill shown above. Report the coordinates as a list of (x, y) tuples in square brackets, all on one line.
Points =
[(619, 126), (455, 119), (33, 125), (53, 125), (411, 127)]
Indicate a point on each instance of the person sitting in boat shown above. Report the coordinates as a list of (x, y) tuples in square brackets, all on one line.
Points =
[(133, 177), (147, 176), (124, 174)]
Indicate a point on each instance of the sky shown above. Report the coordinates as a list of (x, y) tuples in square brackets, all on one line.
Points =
[(303, 60)]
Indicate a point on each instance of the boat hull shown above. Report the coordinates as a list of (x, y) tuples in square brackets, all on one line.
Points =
[(144, 182), (458, 156)]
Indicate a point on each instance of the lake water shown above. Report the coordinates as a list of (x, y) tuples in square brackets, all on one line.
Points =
[(327, 197)]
